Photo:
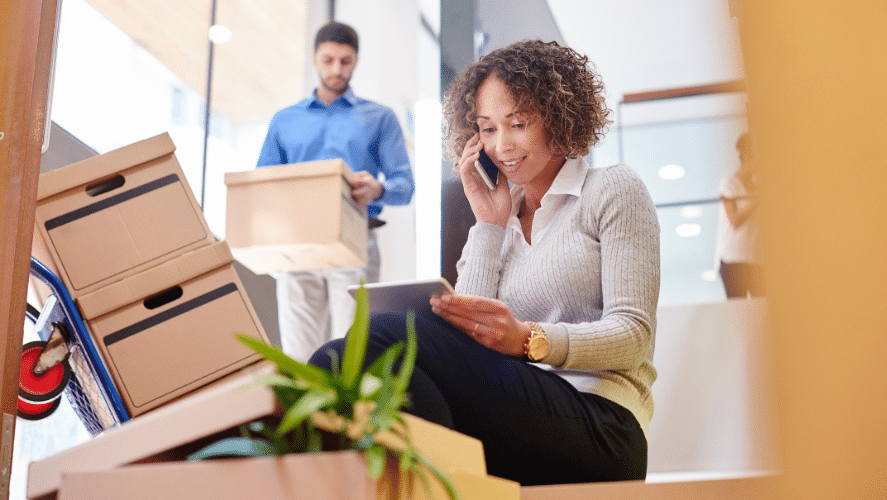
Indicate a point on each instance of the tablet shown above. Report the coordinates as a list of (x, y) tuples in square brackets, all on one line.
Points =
[(402, 296)]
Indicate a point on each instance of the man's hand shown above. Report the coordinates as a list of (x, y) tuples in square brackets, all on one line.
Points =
[(365, 188)]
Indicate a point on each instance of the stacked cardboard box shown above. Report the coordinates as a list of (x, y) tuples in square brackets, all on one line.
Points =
[(295, 217), (143, 459), (159, 294)]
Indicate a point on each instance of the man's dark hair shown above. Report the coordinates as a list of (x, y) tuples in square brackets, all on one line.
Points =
[(336, 32)]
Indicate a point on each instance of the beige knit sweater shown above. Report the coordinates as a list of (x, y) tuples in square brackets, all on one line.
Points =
[(590, 278)]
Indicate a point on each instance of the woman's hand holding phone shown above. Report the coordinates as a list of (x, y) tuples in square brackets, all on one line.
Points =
[(491, 203)]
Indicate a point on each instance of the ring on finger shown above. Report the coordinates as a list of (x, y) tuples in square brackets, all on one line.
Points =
[(474, 330)]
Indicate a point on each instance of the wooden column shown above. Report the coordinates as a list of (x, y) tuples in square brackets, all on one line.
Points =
[(816, 72), (25, 56)]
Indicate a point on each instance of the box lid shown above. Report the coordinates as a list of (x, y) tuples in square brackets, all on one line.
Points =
[(228, 403), (158, 278), (292, 170), (97, 167)]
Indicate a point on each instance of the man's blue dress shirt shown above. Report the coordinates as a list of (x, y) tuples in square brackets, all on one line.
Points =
[(363, 133)]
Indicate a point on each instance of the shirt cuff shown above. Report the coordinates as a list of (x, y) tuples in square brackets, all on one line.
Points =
[(558, 343)]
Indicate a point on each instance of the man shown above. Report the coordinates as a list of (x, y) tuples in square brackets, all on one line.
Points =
[(314, 306)]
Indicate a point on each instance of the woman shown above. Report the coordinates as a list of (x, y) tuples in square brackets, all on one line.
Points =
[(562, 270)]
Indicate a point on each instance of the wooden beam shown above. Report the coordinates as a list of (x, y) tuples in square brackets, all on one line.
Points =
[(712, 88), (25, 59)]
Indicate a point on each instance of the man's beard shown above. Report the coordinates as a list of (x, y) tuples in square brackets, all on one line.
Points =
[(342, 87)]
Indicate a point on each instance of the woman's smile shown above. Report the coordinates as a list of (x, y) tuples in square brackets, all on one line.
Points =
[(514, 138)]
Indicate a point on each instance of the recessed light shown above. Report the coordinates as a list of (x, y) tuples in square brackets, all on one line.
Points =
[(672, 172), (691, 212), (710, 275), (688, 230), (219, 33)]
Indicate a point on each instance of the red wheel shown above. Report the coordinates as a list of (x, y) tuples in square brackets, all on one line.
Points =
[(34, 389), (37, 411)]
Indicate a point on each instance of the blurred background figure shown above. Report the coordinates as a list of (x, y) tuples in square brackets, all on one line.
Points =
[(314, 306), (737, 251)]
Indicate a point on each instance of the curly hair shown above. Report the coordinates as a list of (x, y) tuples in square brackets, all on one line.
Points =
[(543, 77)]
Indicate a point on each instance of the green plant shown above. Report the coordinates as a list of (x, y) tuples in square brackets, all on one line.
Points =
[(359, 409)]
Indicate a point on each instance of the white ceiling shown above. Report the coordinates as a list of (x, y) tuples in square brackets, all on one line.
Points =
[(255, 73)]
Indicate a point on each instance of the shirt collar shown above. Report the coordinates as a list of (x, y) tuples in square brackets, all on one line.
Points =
[(348, 99), (569, 181)]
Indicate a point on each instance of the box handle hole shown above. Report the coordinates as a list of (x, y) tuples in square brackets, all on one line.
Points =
[(106, 185), (164, 297)]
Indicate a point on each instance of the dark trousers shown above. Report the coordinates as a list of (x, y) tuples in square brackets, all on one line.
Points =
[(535, 427), (742, 279)]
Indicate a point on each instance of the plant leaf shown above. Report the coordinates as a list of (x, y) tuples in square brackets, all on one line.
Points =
[(426, 485), (382, 361), (384, 366), (409, 360), (369, 385), (278, 380), (310, 402), (375, 456), (314, 440), (311, 374), (356, 340), (234, 447), (406, 459), (439, 474), (394, 393)]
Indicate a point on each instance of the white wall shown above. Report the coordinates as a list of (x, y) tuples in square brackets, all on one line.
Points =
[(387, 73), (712, 395), (641, 45)]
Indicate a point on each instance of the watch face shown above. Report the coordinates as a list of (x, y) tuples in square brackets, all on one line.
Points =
[(538, 347)]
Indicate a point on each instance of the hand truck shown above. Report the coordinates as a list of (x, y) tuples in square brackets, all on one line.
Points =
[(67, 361)]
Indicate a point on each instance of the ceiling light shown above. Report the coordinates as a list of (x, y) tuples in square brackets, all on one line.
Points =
[(688, 230), (710, 275), (672, 172), (219, 34), (691, 212)]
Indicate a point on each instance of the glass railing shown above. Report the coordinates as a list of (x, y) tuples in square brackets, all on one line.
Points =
[(682, 161)]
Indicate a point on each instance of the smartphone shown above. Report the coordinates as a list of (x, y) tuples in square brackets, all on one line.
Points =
[(488, 170)]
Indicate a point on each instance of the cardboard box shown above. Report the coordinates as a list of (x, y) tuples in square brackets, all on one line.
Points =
[(295, 217), (171, 432), (341, 474), (114, 215), (220, 406), (748, 487), (170, 329)]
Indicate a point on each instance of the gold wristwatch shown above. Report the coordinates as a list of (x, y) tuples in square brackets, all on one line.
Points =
[(536, 347)]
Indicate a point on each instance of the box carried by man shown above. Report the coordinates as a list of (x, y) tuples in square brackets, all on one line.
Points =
[(295, 217)]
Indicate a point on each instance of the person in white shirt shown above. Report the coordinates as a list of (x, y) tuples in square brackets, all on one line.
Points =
[(737, 250)]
